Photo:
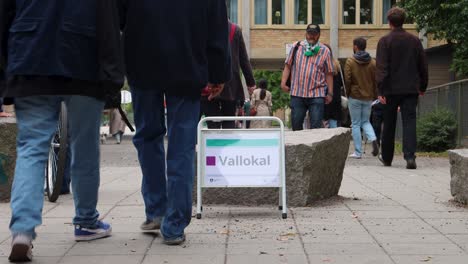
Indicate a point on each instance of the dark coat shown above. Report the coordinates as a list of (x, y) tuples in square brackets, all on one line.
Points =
[(177, 46), (401, 64), (233, 90), (63, 47), (333, 109)]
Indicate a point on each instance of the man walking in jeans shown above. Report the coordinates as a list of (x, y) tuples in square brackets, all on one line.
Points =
[(172, 51), (402, 76), (361, 89), (311, 70), (58, 51)]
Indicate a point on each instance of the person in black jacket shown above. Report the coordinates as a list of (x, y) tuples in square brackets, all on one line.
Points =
[(173, 49), (333, 110), (57, 51), (402, 75), (233, 93)]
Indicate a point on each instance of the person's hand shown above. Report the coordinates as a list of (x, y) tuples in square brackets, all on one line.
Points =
[(383, 100), (215, 90), (328, 99), (285, 88)]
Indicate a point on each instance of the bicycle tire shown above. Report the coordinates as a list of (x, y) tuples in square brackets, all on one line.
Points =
[(57, 157)]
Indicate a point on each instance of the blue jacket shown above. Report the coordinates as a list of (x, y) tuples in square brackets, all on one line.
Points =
[(176, 46), (63, 42)]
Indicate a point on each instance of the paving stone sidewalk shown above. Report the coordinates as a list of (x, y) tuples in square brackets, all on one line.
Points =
[(383, 215)]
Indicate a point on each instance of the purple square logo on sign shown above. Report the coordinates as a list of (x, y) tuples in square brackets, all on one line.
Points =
[(210, 161)]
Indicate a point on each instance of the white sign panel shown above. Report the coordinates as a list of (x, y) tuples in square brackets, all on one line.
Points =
[(239, 159)]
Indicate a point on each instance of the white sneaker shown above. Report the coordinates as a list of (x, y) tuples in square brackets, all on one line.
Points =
[(21, 248), (355, 156)]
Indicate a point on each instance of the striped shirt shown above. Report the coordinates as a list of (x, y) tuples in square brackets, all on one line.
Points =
[(308, 73)]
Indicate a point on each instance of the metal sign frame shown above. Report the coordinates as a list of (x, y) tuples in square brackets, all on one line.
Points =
[(201, 146)]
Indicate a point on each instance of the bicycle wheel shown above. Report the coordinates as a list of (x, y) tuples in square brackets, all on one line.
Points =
[(55, 168)]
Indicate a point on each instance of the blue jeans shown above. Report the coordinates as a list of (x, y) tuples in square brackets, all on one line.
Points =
[(172, 199), (299, 108), (332, 123), (360, 114), (37, 118)]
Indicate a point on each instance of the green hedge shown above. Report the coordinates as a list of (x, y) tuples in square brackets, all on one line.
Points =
[(437, 131)]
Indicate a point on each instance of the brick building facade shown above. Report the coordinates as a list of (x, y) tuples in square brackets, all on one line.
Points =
[(270, 25)]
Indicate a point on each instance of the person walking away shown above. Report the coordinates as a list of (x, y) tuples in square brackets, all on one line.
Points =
[(361, 89), (172, 52), (377, 119), (333, 110), (402, 75), (83, 66), (261, 100), (116, 125), (310, 66), (233, 93)]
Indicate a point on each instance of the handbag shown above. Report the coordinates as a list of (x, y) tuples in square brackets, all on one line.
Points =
[(344, 99), (253, 111)]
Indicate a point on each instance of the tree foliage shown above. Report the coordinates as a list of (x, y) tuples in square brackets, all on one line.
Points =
[(445, 19), (279, 98)]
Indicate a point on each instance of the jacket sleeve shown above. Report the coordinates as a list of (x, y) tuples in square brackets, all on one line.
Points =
[(218, 48), (122, 7), (244, 61), (110, 55), (348, 76), (7, 14), (423, 69), (382, 74)]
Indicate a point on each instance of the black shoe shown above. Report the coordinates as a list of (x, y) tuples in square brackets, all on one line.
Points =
[(175, 241), (385, 163), (411, 164), (375, 148)]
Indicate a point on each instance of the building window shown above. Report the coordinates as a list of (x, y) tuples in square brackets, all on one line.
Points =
[(232, 10), (318, 12), (358, 12), (300, 12), (268, 12), (366, 12), (277, 12), (387, 5), (261, 7), (349, 12)]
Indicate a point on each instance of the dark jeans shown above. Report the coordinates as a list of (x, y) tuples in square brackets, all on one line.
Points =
[(299, 108), (377, 121), (407, 104), (167, 180), (1, 104), (219, 108)]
